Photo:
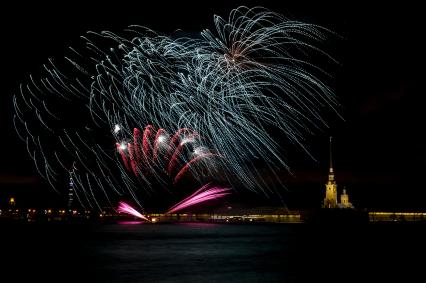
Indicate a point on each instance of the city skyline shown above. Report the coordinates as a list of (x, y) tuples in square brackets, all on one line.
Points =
[(379, 153)]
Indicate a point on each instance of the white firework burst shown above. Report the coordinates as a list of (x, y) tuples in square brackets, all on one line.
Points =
[(243, 88)]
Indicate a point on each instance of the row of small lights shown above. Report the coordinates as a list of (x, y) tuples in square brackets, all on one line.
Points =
[(49, 211)]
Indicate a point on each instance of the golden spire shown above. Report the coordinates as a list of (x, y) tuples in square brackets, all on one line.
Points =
[(331, 156), (331, 172)]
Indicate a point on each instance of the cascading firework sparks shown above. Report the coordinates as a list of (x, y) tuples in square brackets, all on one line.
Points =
[(240, 87), (204, 194), (126, 208), (156, 152)]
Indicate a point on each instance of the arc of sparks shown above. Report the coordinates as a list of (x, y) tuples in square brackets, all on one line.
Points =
[(205, 193), (126, 208)]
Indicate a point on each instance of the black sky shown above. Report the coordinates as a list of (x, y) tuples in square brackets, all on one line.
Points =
[(380, 153)]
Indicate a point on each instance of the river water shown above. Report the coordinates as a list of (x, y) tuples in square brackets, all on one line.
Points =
[(203, 252)]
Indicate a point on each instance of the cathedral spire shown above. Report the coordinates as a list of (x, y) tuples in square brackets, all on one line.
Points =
[(331, 171), (331, 156), (330, 200)]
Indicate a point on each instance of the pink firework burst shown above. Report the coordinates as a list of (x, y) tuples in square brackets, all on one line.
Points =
[(157, 153), (203, 194), (126, 208)]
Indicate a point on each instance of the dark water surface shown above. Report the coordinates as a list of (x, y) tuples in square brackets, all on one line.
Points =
[(198, 252)]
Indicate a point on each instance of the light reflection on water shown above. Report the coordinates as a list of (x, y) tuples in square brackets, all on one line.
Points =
[(191, 252), (129, 222), (203, 252)]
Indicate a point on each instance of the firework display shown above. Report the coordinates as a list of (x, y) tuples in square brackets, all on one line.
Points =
[(160, 155), (226, 94), (126, 208), (203, 194)]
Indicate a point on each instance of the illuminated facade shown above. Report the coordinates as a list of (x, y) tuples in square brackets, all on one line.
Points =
[(330, 200), (344, 200)]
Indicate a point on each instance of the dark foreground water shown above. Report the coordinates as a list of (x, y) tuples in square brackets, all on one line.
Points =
[(37, 252)]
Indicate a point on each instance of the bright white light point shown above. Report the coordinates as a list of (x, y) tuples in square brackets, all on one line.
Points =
[(198, 150), (161, 139), (117, 128), (123, 146)]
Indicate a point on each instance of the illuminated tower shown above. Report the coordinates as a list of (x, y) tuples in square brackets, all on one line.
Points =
[(71, 190), (344, 200), (330, 200), (12, 202)]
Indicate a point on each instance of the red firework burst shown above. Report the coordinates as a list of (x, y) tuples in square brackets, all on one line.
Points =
[(159, 153)]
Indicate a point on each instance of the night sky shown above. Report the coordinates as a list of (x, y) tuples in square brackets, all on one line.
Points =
[(379, 150)]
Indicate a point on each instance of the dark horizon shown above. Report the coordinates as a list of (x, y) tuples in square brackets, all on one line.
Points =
[(378, 151)]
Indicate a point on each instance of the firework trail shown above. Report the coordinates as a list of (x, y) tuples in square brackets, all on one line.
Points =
[(205, 193), (160, 153), (238, 86), (125, 208)]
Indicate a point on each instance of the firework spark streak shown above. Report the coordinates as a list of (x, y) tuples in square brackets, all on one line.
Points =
[(125, 208), (238, 87), (205, 193), (160, 152)]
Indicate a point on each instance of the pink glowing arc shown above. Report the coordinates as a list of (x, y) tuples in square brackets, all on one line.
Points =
[(205, 193), (125, 208)]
